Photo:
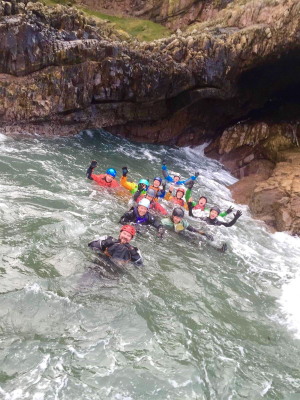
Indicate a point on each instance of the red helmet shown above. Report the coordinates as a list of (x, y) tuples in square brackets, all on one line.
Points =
[(180, 189), (128, 228)]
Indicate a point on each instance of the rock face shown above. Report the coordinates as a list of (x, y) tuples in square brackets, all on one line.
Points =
[(172, 13), (61, 72), (267, 159)]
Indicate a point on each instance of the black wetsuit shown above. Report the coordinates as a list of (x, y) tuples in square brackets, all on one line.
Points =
[(119, 252), (215, 222), (133, 216)]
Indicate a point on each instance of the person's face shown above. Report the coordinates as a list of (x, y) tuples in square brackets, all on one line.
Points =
[(156, 183), (142, 210), (202, 201), (149, 198), (176, 178), (109, 178), (179, 194), (176, 220), (125, 237), (213, 214)]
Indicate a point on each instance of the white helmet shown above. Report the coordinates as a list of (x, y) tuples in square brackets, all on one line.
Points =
[(144, 202)]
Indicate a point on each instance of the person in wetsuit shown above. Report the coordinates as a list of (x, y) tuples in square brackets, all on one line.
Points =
[(142, 186), (177, 223), (201, 205), (160, 192), (107, 180), (176, 178), (119, 250), (151, 196), (178, 198), (140, 216), (214, 213)]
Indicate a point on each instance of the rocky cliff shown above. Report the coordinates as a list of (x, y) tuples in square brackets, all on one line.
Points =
[(61, 72), (172, 13)]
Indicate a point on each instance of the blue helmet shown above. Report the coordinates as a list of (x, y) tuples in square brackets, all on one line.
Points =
[(157, 178), (112, 172), (145, 182)]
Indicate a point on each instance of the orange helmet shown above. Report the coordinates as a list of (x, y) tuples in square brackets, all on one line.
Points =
[(128, 228)]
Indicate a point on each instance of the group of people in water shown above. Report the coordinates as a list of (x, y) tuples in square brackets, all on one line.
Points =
[(146, 197)]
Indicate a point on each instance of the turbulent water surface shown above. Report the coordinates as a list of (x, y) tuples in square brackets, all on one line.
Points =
[(192, 324)]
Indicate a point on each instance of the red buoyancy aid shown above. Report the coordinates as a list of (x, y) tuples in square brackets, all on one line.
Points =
[(175, 200), (100, 179), (199, 207), (154, 205)]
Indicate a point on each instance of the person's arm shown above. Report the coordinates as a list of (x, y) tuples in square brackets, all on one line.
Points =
[(188, 195), (101, 243), (136, 256), (186, 181), (193, 229), (127, 185), (232, 222), (190, 208), (224, 213), (166, 173), (136, 195), (168, 196), (160, 208), (162, 192), (90, 169), (127, 217)]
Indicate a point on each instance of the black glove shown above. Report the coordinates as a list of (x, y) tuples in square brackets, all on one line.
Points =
[(94, 164), (238, 214), (164, 162), (230, 209), (196, 174), (189, 184), (223, 248), (125, 171), (141, 187), (209, 237), (163, 183)]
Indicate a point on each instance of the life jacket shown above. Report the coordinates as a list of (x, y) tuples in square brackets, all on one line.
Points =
[(156, 190), (199, 207), (139, 219), (175, 200), (119, 251), (100, 179)]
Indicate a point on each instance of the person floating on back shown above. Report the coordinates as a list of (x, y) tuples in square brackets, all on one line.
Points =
[(201, 205), (119, 250), (142, 186), (213, 214), (107, 180), (176, 178), (178, 198), (140, 216), (178, 224), (160, 192)]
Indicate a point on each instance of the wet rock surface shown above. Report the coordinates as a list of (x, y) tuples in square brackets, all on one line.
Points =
[(266, 158), (61, 72)]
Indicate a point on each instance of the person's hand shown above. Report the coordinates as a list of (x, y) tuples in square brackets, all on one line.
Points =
[(196, 174), (230, 209), (94, 164), (163, 183), (171, 188), (190, 199), (209, 237), (189, 184), (238, 214), (125, 171), (223, 248), (164, 162), (141, 187)]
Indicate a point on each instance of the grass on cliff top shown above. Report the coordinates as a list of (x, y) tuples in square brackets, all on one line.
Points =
[(141, 29)]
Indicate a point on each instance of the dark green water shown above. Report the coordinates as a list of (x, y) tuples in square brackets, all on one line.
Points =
[(192, 324)]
